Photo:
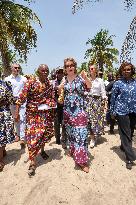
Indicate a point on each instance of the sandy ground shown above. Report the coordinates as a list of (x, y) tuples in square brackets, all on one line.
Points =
[(58, 181)]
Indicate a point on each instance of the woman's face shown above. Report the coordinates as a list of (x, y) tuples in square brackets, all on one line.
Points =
[(70, 68), (92, 70), (43, 72), (126, 71)]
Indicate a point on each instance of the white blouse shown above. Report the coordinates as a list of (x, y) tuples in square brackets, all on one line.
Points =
[(98, 88)]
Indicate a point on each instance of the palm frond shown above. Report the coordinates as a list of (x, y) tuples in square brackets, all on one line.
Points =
[(129, 43)]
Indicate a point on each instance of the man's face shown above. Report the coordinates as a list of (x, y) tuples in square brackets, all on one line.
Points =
[(60, 75), (43, 71), (15, 69), (126, 72), (110, 77)]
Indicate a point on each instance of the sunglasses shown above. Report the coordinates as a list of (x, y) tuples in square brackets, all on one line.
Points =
[(70, 66), (129, 69), (17, 67)]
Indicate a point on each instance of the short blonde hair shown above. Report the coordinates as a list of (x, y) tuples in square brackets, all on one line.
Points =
[(95, 66), (73, 61)]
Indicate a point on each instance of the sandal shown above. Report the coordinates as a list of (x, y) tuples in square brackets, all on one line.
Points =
[(31, 170), (85, 168), (44, 155)]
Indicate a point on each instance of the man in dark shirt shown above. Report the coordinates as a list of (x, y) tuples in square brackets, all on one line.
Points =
[(108, 88), (59, 110)]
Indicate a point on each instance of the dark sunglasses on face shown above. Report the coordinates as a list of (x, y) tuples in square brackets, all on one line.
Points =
[(128, 69), (17, 67), (69, 66)]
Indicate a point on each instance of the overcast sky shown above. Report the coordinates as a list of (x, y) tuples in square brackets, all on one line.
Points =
[(64, 35)]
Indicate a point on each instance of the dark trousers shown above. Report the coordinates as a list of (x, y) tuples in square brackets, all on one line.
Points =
[(110, 121), (126, 124), (58, 124)]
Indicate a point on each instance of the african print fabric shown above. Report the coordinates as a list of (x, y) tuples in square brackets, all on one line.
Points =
[(96, 115), (6, 120), (75, 119), (39, 123)]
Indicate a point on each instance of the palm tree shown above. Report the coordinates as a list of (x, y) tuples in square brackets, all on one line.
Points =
[(101, 51), (16, 31), (78, 4), (130, 39)]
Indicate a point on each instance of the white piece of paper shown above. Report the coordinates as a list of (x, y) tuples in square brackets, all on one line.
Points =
[(45, 107)]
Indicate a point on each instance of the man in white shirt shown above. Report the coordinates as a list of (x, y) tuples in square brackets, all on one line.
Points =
[(17, 82)]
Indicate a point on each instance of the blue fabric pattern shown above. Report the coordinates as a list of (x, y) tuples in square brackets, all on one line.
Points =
[(123, 98)]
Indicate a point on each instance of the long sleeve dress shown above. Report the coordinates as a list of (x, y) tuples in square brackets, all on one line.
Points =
[(6, 120), (39, 123), (76, 119)]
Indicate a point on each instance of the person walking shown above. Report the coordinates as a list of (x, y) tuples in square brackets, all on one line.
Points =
[(96, 105), (6, 120), (123, 106), (17, 81), (108, 88), (75, 116), (59, 112), (39, 95)]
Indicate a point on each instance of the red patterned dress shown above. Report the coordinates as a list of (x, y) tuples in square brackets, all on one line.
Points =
[(39, 123)]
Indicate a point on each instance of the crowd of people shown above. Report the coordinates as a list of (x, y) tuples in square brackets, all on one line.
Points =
[(70, 106)]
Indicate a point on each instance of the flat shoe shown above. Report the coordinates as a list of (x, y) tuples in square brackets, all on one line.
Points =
[(31, 170), (129, 165)]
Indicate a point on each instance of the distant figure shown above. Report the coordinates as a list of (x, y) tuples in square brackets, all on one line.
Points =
[(108, 88), (6, 119), (17, 81), (123, 106), (75, 116), (100, 74), (39, 95), (59, 111)]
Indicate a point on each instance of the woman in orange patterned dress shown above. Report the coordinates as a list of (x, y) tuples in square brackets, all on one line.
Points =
[(39, 121)]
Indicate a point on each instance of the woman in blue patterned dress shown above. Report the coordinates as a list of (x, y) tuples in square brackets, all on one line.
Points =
[(6, 120), (75, 116), (123, 106)]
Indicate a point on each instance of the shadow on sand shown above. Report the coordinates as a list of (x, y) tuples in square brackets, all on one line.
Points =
[(54, 154), (13, 155), (120, 153)]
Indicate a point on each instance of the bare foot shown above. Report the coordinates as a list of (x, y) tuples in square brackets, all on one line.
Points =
[(69, 154), (85, 168)]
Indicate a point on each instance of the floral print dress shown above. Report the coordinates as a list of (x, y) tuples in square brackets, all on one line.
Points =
[(75, 119), (6, 120), (39, 123)]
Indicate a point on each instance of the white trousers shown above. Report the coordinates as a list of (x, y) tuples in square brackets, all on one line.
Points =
[(20, 126)]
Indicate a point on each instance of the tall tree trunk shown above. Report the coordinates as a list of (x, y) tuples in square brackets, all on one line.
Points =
[(101, 65), (5, 58)]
